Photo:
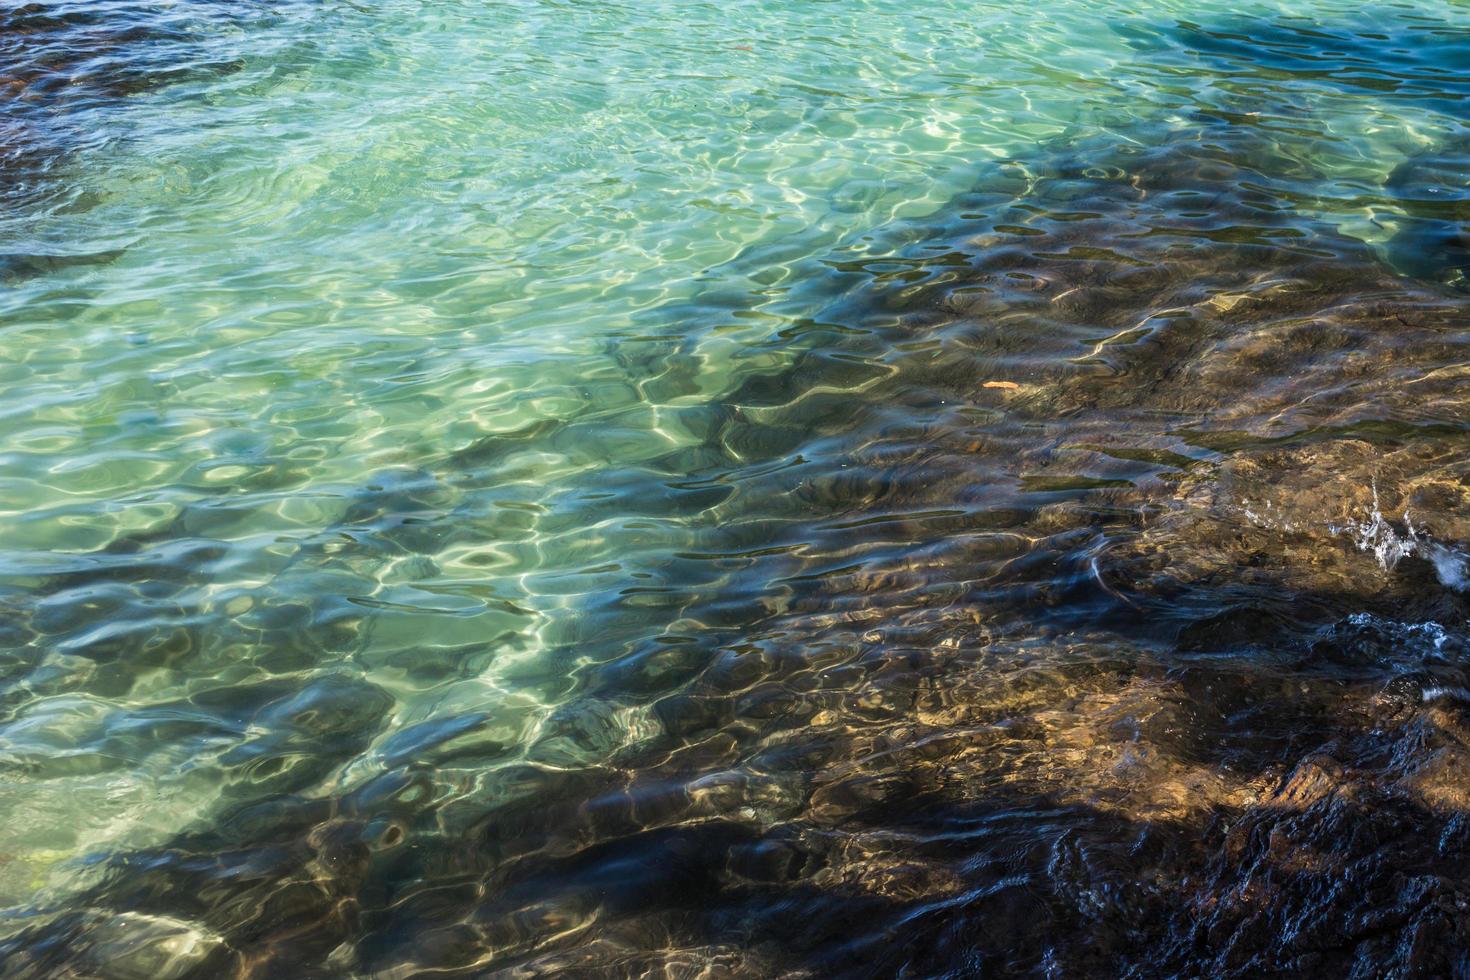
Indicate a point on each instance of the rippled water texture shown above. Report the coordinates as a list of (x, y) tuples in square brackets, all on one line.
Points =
[(734, 490)]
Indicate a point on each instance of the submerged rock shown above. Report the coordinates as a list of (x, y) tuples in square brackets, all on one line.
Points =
[(1432, 190), (1396, 61), (128, 946), (1142, 663), (63, 62)]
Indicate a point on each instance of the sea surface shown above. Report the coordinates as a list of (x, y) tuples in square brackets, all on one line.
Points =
[(841, 488)]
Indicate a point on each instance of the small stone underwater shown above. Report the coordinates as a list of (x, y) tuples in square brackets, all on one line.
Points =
[(1077, 584)]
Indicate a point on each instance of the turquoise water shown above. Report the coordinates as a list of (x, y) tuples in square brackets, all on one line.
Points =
[(435, 403)]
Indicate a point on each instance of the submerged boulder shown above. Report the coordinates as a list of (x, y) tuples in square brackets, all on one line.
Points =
[(1432, 191)]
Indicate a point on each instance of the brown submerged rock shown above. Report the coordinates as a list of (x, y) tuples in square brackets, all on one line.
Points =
[(64, 65), (1106, 674)]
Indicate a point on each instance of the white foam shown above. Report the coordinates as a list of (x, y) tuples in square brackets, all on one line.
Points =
[(1449, 565), (1378, 537), (1446, 693), (1430, 630)]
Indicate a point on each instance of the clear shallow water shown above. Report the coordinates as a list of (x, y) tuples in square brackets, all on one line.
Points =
[(515, 487)]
